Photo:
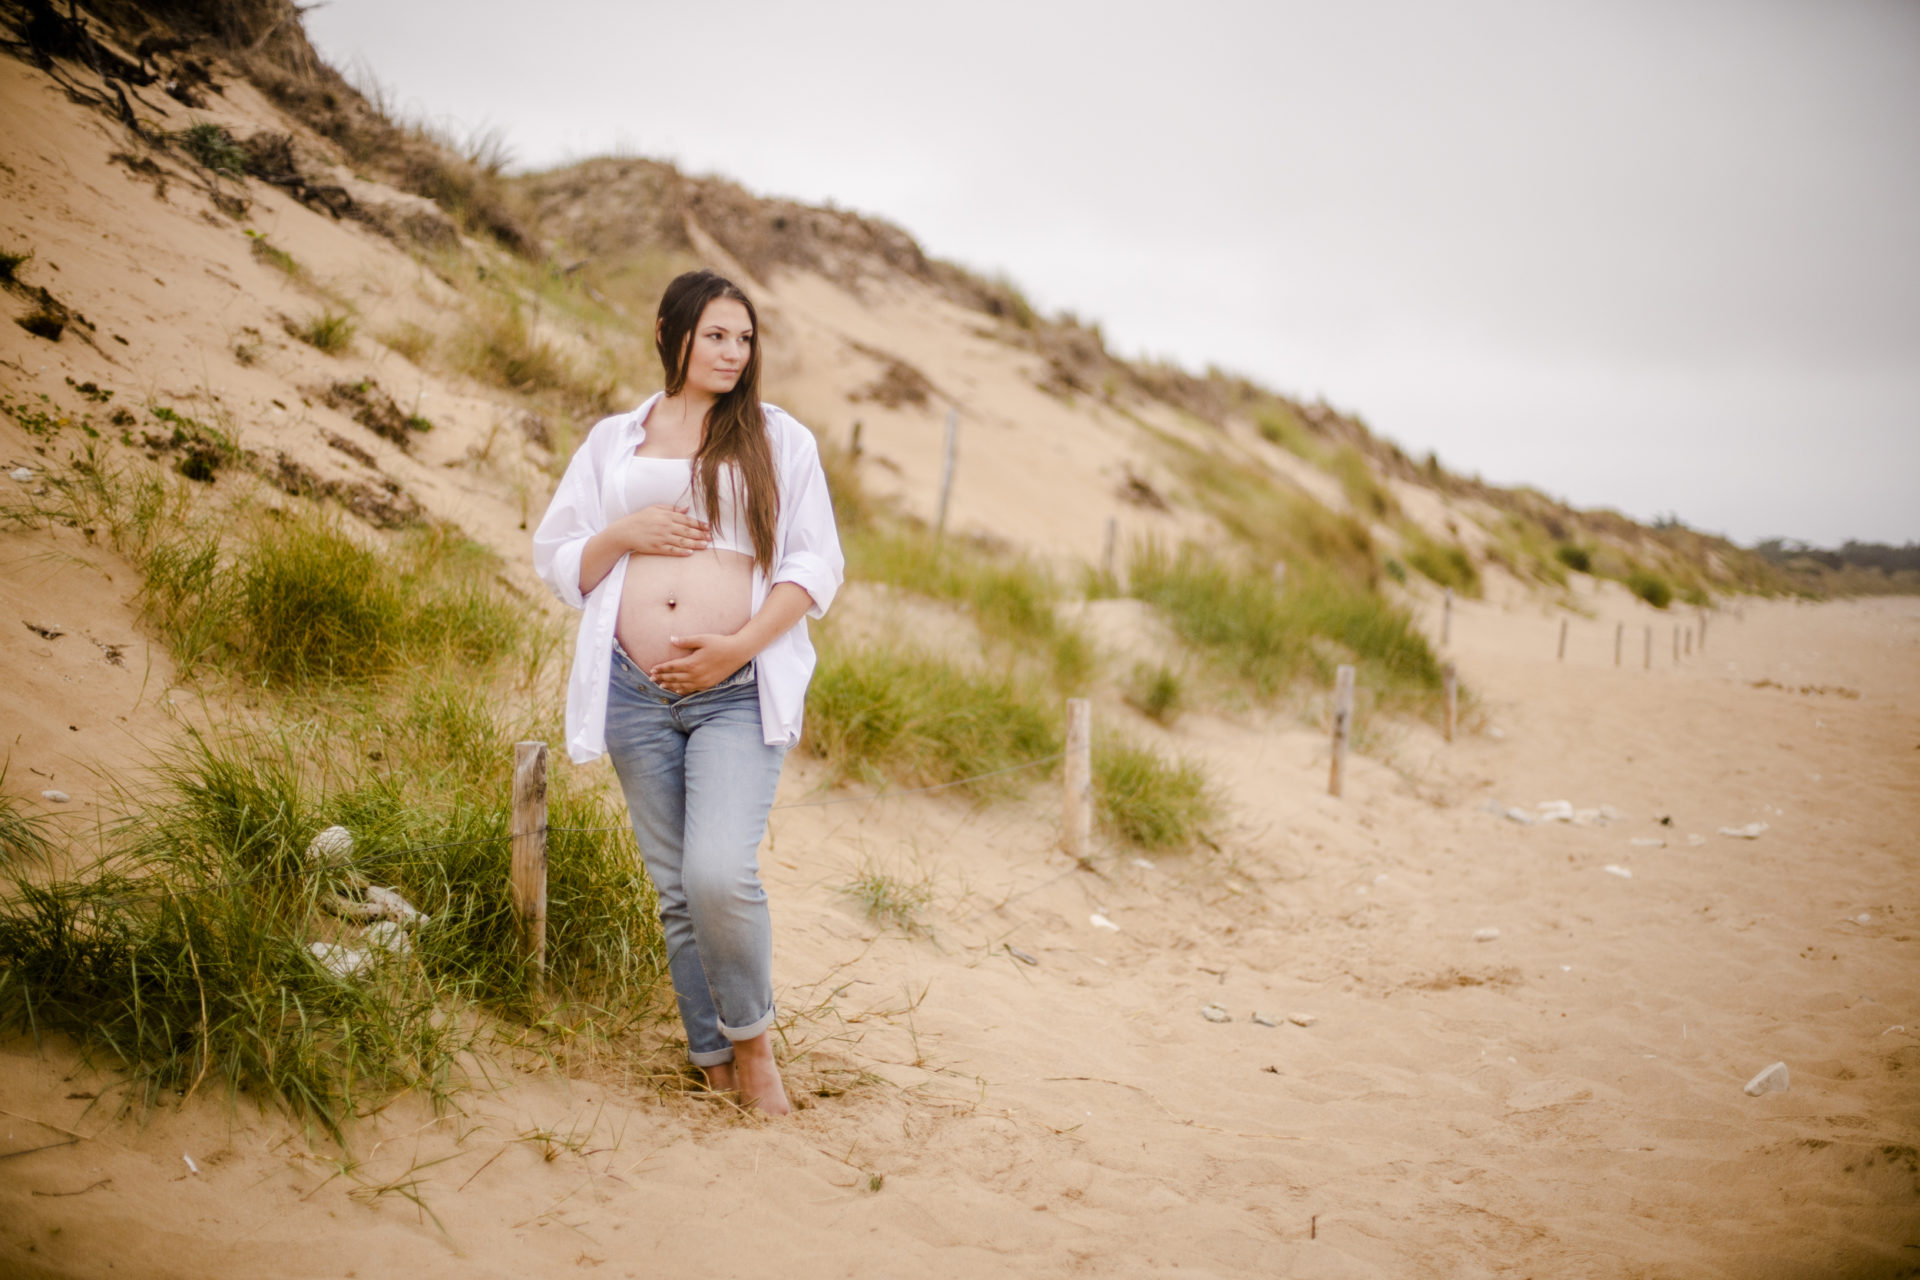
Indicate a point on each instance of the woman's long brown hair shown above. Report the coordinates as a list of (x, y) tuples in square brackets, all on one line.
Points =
[(736, 429)]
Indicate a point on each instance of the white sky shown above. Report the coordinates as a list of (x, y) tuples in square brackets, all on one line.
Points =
[(1658, 256)]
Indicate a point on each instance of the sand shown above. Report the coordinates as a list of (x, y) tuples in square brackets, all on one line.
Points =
[(1564, 1100)]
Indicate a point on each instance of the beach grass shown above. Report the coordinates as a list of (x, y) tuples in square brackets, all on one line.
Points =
[(889, 714), (1151, 802)]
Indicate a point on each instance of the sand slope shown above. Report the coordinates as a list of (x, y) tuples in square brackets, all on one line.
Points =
[(1564, 1100)]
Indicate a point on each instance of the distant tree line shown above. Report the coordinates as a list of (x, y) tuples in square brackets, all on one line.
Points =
[(1863, 555)]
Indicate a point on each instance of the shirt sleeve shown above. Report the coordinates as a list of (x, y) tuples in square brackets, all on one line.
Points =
[(810, 554), (574, 515)]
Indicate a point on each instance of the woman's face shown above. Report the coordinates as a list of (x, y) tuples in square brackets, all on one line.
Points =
[(722, 345)]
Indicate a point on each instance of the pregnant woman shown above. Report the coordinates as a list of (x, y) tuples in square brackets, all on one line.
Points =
[(697, 535)]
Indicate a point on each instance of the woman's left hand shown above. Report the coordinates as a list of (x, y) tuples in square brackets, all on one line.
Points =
[(713, 659)]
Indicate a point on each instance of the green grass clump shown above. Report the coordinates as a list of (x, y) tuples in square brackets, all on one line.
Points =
[(880, 713), (1651, 587), (1274, 519), (1156, 691), (24, 837), (1013, 600), (1266, 637), (500, 346), (896, 901), (279, 259), (411, 340), (1278, 424), (328, 331), (1368, 497), (1575, 557), (213, 148), (1148, 801), (182, 955), (1445, 564)]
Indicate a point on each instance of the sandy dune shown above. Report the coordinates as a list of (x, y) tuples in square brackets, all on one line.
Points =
[(1564, 1100)]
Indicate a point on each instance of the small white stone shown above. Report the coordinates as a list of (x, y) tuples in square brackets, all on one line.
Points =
[(1214, 1013), (1863, 918), (332, 847), (1485, 935), (1566, 968), (1262, 1019), (1099, 921), (1752, 831), (1143, 864), (1647, 842), (1556, 811), (1520, 816), (57, 797), (1496, 733), (23, 474), (1771, 1080), (1622, 872), (1302, 1019), (1695, 840)]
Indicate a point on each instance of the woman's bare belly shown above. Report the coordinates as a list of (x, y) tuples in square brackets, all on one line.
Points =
[(712, 592)]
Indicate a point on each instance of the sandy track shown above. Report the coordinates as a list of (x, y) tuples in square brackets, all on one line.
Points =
[(1565, 1100)]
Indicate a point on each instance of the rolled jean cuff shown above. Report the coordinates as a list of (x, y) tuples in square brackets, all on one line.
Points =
[(759, 1026), (712, 1057)]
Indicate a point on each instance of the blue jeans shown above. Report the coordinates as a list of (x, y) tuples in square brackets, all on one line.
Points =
[(699, 779)]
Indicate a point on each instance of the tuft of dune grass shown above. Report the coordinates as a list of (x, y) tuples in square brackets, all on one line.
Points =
[(1149, 801), (882, 713), (1266, 636)]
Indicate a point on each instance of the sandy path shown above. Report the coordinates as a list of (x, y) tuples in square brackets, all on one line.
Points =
[(1565, 1100)]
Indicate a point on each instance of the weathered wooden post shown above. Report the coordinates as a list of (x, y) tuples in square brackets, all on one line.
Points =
[(1076, 826), (946, 472), (530, 852), (1562, 655), (1446, 617), (1111, 549), (1649, 657), (1703, 631), (1452, 682), (1689, 646), (1342, 728), (1619, 636), (854, 447)]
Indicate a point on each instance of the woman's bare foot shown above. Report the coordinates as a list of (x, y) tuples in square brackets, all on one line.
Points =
[(759, 1076), (721, 1077)]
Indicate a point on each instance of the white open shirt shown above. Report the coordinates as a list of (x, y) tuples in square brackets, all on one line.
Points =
[(806, 552)]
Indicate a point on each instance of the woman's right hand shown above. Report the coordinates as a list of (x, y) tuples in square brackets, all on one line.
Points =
[(661, 531)]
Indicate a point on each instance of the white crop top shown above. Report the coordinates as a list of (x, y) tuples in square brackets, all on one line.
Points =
[(649, 482)]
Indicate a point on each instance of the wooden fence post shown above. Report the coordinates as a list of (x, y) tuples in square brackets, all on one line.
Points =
[(1453, 690), (946, 472), (1076, 826), (1342, 727), (1446, 617), (530, 852), (1111, 549), (1703, 631), (1619, 636), (1689, 646), (1562, 655), (853, 448)]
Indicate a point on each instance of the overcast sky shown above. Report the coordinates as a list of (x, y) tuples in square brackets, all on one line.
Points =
[(1661, 256)]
